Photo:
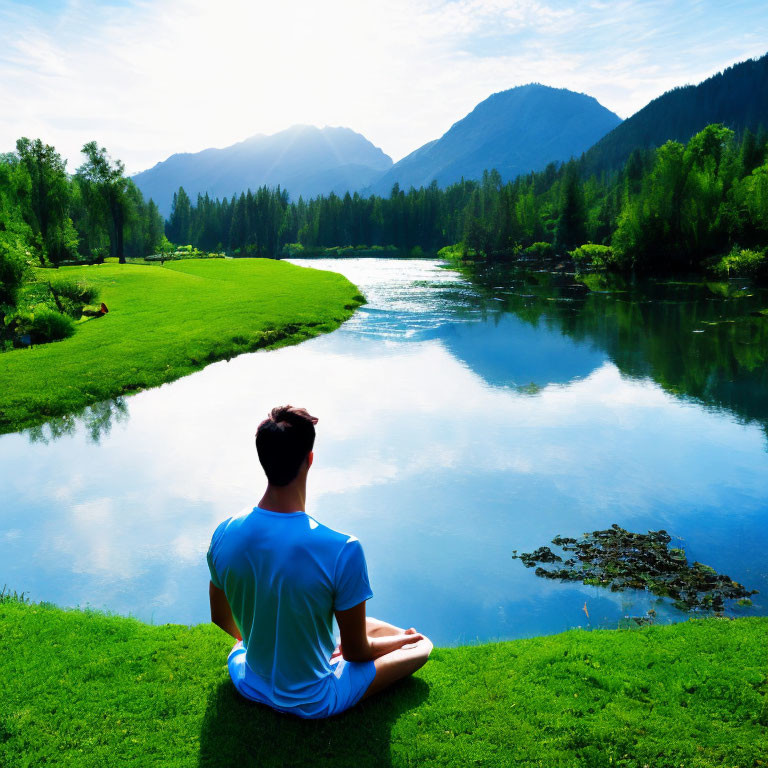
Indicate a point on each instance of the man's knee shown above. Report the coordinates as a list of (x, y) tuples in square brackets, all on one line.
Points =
[(421, 651)]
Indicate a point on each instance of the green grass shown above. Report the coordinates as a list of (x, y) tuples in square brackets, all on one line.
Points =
[(79, 688), (164, 323)]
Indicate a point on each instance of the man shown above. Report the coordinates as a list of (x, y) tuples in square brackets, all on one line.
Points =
[(278, 577)]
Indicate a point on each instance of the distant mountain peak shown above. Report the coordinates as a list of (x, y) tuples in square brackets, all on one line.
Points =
[(514, 131), (303, 159)]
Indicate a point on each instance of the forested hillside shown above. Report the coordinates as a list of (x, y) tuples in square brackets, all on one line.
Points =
[(736, 97)]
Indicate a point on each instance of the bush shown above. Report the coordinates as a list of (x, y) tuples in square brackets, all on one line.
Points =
[(539, 249), (455, 252), (44, 324), (77, 293), (593, 255), (291, 250), (742, 262)]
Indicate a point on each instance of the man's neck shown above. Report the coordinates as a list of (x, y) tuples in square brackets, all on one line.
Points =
[(285, 498)]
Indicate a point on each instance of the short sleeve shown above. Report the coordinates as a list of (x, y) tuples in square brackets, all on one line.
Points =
[(211, 553), (351, 585)]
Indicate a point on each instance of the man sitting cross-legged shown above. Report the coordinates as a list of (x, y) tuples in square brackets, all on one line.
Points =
[(277, 579)]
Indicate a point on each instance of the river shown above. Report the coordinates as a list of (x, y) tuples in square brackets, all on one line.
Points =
[(458, 421)]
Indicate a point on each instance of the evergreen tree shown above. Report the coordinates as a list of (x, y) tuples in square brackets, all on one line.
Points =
[(179, 224), (571, 222)]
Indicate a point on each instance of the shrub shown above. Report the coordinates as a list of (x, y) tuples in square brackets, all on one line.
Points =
[(594, 255), (78, 293), (292, 249), (539, 249), (742, 262), (455, 252), (44, 324)]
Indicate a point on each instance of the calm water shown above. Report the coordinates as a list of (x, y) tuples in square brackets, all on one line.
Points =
[(458, 422)]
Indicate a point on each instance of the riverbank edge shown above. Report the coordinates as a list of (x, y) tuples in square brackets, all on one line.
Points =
[(82, 688), (18, 411)]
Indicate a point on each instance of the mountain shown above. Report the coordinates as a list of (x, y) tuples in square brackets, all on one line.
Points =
[(305, 160), (737, 97), (514, 131)]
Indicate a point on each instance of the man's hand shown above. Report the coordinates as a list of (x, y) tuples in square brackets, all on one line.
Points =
[(383, 645), (356, 645)]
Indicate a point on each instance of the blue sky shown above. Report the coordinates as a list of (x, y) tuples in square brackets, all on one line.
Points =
[(147, 78)]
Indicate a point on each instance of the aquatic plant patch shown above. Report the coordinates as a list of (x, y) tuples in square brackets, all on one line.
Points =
[(619, 560)]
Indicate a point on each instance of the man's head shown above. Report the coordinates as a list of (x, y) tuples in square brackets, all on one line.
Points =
[(284, 441)]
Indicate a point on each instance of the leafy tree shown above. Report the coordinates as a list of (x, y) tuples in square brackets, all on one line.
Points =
[(47, 200), (106, 189)]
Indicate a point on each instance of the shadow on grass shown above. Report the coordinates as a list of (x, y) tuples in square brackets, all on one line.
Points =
[(243, 733)]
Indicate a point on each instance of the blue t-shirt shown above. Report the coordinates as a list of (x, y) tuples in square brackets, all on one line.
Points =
[(284, 574)]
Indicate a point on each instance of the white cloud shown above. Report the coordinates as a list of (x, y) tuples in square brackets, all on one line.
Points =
[(151, 78)]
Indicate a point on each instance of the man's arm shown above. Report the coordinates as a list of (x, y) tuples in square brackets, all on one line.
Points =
[(221, 613), (356, 645)]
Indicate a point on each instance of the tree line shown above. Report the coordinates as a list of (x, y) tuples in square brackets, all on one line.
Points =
[(665, 209)]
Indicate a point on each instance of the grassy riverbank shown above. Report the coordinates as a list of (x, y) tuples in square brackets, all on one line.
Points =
[(85, 689), (164, 323)]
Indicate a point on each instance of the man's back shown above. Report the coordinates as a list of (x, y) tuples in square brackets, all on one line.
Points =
[(283, 575), (278, 576)]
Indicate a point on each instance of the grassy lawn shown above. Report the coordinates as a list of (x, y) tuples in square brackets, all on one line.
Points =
[(84, 689), (164, 323)]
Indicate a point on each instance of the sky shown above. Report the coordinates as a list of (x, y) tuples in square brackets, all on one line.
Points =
[(147, 78)]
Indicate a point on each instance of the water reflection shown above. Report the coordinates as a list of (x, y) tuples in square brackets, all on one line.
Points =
[(94, 420), (701, 340), (520, 355), (429, 448)]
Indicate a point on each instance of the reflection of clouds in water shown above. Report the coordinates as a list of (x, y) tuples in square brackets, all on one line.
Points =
[(65, 492), (189, 547), (428, 416), (90, 538), (356, 474)]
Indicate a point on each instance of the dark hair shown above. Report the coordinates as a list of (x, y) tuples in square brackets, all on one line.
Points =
[(283, 441)]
